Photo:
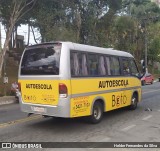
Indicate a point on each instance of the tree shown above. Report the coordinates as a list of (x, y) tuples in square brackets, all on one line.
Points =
[(154, 49), (12, 11), (125, 31), (82, 21), (154, 42), (144, 12)]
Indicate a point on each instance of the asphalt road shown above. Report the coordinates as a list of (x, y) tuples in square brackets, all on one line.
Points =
[(117, 126)]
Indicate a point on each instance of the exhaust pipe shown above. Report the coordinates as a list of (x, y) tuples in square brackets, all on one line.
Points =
[(29, 114)]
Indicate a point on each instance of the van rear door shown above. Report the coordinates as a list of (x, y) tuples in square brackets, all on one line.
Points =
[(40, 71)]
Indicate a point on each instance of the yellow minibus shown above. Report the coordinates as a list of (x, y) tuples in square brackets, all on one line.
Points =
[(65, 79)]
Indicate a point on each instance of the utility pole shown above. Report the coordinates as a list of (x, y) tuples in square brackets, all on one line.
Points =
[(146, 45)]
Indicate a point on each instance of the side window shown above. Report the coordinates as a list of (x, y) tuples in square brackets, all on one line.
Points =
[(78, 64), (115, 66), (101, 66), (126, 68), (93, 64), (134, 69), (75, 71), (83, 64), (108, 66)]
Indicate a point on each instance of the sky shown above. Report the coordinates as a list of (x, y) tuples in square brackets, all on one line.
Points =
[(22, 30)]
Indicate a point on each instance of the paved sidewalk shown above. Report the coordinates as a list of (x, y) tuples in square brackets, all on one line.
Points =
[(8, 100)]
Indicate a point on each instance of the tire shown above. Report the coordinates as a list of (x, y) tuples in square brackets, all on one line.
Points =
[(97, 113), (134, 102)]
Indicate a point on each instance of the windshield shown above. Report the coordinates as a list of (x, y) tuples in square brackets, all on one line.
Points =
[(41, 60)]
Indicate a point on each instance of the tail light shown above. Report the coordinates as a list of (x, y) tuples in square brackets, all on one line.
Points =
[(19, 86), (63, 91)]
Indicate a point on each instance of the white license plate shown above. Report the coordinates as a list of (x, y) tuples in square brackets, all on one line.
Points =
[(39, 109)]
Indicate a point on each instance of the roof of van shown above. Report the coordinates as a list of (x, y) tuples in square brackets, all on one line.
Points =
[(83, 47), (109, 51)]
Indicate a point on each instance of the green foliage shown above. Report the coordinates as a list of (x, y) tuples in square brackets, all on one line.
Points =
[(108, 23), (146, 15), (125, 29), (78, 21), (154, 49), (8, 6)]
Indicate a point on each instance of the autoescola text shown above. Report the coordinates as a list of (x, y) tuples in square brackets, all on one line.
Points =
[(38, 86), (113, 83)]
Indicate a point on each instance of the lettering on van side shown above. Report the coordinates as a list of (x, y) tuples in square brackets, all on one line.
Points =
[(39, 86), (113, 83)]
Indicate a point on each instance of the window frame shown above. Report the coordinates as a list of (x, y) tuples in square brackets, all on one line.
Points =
[(78, 52), (125, 58), (98, 55), (36, 49), (132, 59), (105, 65), (120, 69), (129, 59)]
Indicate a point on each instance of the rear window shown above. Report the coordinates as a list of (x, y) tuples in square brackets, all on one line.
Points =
[(41, 60)]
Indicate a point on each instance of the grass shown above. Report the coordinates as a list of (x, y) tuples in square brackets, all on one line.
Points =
[(12, 74)]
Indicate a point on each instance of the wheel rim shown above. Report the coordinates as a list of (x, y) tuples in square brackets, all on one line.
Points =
[(134, 102), (97, 113)]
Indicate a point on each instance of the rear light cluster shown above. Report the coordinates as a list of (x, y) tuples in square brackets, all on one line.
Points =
[(63, 91)]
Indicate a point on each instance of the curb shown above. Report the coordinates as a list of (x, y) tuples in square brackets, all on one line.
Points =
[(7, 100)]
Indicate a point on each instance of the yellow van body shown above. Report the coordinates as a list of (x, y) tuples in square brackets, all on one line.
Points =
[(40, 93)]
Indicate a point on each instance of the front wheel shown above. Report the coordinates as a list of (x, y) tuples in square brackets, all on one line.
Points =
[(134, 102), (97, 113)]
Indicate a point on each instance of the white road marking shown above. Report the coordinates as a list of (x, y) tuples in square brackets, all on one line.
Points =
[(150, 91), (146, 118), (128, 128)]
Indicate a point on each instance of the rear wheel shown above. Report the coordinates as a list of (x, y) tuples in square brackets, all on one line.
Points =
[(97, 113), (134, 102)]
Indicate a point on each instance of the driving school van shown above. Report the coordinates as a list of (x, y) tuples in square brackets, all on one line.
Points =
[(65, 79)]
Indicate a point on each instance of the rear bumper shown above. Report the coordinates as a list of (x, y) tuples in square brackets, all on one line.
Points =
[(61, 110)]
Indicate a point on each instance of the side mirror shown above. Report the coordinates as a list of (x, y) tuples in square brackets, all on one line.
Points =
[(141, 75)]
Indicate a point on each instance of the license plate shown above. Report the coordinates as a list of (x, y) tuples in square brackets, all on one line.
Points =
[(39, 109)]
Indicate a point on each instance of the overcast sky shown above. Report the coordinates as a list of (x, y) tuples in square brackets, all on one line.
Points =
[(23, 30)]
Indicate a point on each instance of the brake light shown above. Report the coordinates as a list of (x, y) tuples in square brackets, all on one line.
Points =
[(63, 91), (19, 86)]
